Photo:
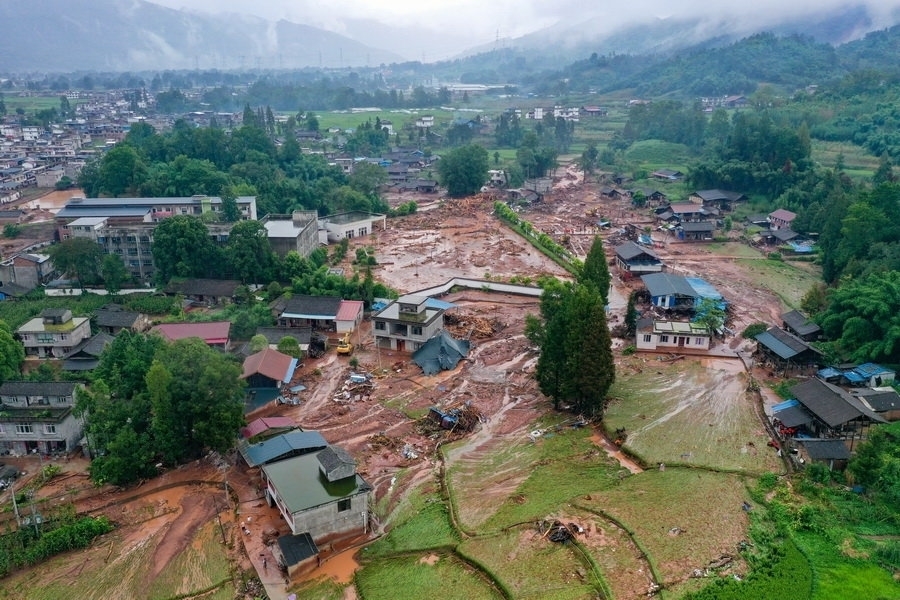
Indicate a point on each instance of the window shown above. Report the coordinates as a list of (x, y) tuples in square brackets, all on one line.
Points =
[(363, 231), (49, 428), (648, 337), (416, 330), (24, 428), (46, 338), (344, 505), (664, 339), (380, 325)]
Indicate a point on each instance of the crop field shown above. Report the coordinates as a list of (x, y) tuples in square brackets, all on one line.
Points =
[(399, 118), (503, 482), (426, 576), (789, 280), (690, 412), (120, 567), (531, 566), (682, 518)]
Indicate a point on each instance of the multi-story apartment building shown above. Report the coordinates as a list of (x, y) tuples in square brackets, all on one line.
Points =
[(124, 226)]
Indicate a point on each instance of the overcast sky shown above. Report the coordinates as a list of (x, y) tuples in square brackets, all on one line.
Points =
[(480, 21)]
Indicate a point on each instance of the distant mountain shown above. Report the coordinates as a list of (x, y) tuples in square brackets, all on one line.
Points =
[(570, 41), (117, 35)]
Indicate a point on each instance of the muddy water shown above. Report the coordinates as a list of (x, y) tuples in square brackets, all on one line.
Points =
[(52, 201), (613, 451), (339, 567)]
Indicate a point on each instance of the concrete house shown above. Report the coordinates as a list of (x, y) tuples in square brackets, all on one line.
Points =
[(54, 334), (350, 225), (28, 270), (655, 335), (320, 494), (406, 324), (670, 291), (781, 219), (37, 417), (298, 232)]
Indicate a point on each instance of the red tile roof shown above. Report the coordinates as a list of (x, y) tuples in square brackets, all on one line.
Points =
[(270, 363), (258, 426), (349, 310), (211, 333)]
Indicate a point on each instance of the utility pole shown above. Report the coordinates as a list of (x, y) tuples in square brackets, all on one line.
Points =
[(12, 489)]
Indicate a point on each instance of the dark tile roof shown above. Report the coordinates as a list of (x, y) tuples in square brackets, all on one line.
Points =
[(826, 449), (783, 343), (13, 290), (275, 334), (799, 322), (38, 388), (880, 400), (93, 346), (297, 548), (831, 404), (630, 250), (113, 315), (325, 306), (333, 457), (692, 227), (666, 284), (217, 288)]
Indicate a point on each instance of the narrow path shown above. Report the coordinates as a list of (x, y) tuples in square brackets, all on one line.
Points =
[(602, 440)]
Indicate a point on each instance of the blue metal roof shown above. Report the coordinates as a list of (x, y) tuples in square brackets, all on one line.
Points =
[(854, 377), (703, 288), (435, 303), (786, 404), (828, 373), (871, 370), (291, 443), (775, 345)]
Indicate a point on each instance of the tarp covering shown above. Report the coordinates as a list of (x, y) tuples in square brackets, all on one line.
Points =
[(440, 353)]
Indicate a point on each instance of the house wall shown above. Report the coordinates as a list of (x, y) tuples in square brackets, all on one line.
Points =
[(636, 270), (327, 522), (388, 338), (62, 438), (56, 344), (669, 341)]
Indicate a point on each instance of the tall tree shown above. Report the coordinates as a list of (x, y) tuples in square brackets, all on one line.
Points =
[(182, 248), (595, 271), (196, 396), (78, 258), (464, 170), (590, 369), (12, 353), (250, 253), (114, 273)]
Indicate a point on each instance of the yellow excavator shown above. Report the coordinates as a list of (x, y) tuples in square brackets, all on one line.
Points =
[(344, 346)]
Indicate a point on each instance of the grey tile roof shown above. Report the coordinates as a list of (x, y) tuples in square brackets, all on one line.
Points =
[(799, 322), (38, 388)]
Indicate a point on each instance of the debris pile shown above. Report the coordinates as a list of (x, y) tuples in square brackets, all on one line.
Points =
[(559, 532), (358, 386), (465, 326)]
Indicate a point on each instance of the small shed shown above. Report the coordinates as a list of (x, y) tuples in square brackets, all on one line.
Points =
[(884, 401), (298, 554), (874, 375), (800, 325), (833, 453)]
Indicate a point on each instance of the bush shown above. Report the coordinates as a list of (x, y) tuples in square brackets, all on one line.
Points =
[(11, 230), (774, 256), (753, 330)]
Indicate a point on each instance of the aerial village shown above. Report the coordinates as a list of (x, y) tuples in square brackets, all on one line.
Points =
[(375, 389)]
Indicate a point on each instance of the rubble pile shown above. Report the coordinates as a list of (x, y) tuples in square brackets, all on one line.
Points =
[(465, 326)]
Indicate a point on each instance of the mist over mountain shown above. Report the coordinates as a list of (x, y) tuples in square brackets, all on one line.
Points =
[(134, 35), (119, 35), (573, 40)]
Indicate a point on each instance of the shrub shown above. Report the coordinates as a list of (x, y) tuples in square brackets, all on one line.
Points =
[(753, 330)]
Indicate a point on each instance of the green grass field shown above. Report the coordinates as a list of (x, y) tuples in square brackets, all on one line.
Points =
[(682, 518), (687, 413), (423, 576), (788, 280)]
